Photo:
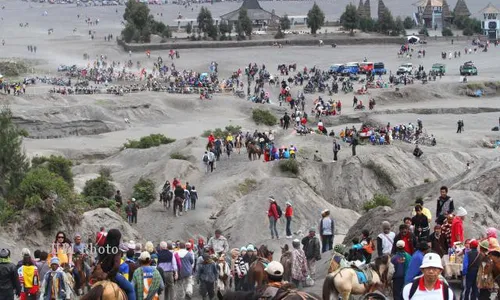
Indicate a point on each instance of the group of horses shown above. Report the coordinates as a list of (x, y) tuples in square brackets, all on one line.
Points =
[(342, 280), (253, 150)]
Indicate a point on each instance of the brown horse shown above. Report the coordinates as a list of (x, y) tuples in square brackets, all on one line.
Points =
[(105, 290), (256, 274), (495, 268), (253, 151), (345, 280), (79, 261), (286, 261), (210, 145)]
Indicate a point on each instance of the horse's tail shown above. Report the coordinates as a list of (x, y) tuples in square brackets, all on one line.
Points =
[(94, 293), (329, 287)]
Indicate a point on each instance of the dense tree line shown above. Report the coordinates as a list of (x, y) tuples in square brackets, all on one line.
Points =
[(386, 24), (140, 24)]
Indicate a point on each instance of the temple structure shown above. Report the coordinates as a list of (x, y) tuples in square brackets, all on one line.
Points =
[(256, 13), (491, 22), (433, 13)]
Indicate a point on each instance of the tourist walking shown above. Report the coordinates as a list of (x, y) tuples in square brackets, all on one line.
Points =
[(8, 277), (401, 261), (326, 231), (218, 243), (147, 280), (312, 250), (273, 217), (299, 264), (385, 240), (135, 209), (185, 271), (168, 264), (207, 277), (288, 216), (445, 205), (336, 149)]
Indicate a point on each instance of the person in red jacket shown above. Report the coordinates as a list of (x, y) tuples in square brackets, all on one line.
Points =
[(288, 216), (457, 226), (273, 216)]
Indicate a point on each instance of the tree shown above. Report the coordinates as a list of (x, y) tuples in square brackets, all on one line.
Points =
[(99, 187), (40, 184), (386, 23), (447, 32), (13, 161), (144, 191), (315, 18), (129, 32), (57, 165), (205, 20), (408, 23), (349, 19), (285, 22), (189, 28), (245, 23), (136, 13), (224, 28), (399, 27)]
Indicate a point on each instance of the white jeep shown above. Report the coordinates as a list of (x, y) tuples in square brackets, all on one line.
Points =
[(406, 68)]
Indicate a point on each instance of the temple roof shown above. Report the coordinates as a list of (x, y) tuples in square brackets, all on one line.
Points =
[(490, 9), (254, 11), (434, 3), (461, 9)]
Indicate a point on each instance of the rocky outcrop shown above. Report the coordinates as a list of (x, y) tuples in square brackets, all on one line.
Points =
[(94, 219)]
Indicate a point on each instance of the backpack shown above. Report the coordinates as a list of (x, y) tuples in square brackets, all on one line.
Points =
[(444, 288), (278, 209), (337, 147), (205, 158)]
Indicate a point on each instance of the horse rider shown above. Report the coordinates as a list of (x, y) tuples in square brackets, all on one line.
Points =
[(166, 187), (276, 287)]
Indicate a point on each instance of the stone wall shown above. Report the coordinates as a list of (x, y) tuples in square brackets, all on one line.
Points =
[(343, 40)]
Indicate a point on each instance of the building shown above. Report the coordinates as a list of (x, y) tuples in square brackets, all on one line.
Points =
[(256, 13), (491, 22), (461, 9), (433, 13)]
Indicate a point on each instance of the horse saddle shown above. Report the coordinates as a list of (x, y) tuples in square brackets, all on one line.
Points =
[(361, 277)]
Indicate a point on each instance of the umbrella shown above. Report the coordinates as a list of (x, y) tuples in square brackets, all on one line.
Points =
[(413, 39)]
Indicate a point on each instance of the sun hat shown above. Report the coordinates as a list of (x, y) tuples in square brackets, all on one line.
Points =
[(145, 256), (243, 249), (484, 244), (288, 203), (25, 251), (133, 199), (271, 198), (400, 244), (295, 243), (431, 260), (461, 212), (131, 245), (274, 268), (474, 244), (312, 229), (54, 261), (250, 248), (123, 247)]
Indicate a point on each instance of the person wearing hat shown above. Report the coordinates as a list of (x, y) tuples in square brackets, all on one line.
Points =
[(406, 235), (218, 243), (275, 284), (437, 241), (9, 283), (414, 269), (135, 209), (124, 268), (385, 240), (185, 271), (168, 263), (430, 285), (485, 279), (401, 261), (470, 269), (491, 237), (147, 280), (272, 214), (312, 250), (288, 216), (53, 281), (207, 276), (326, 231), (299, 264), (457, 226), (28, 278), (128, 211)]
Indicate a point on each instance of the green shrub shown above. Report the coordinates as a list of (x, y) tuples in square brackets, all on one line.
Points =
[(475, 86), (427, 180), (247, 186), (447, 32), (377, 200), (380, 173), (40, 184), (152, 140), (180, 156), (144, 192), (419, 198), (217, 132), (8, 212), (262, 116), (289, 165), (105, 172), (99, 187), (424, 31), (56, 164)]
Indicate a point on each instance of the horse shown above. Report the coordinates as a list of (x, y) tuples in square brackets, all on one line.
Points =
[(256, 273), (166, 198), (178, 204), (345, 280), (79, 262), (105, 290), (253, 151), (287, 293), (237, 143), (210, 145), (292, 67), (286, 261), (495, 267)]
